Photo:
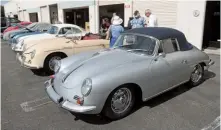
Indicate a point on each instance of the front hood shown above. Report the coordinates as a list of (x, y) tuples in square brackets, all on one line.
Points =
[(21, 37), (30, 33), (39, 37), (45, 44), (99, 63)]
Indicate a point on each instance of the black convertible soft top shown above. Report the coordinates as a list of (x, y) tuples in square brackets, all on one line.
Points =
[(164, 33)]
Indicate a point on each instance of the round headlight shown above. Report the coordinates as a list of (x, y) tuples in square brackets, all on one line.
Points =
[(86, 87), (57, 65), (33, 54)]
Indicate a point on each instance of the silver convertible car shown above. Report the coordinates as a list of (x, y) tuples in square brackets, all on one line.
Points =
[(143, 63)]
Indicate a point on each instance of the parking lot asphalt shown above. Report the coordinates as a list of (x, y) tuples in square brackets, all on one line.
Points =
[(25, 105)]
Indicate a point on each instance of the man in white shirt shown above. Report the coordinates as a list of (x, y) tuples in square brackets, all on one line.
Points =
[(152, 19)]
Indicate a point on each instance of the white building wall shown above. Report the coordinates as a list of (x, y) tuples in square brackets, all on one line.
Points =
[(26, 16), (94, 17), (190, 25), (44, 14)]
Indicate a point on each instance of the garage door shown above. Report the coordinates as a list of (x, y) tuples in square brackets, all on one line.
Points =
[(166, 11), (33, 17), (44, 14)]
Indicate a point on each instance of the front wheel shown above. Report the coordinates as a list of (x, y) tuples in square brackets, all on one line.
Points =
[(49, 63), (196, 77), (119, 103)]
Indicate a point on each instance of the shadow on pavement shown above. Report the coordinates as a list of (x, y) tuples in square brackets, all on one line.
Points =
[(92, 119), (95, 119), (39, 72)]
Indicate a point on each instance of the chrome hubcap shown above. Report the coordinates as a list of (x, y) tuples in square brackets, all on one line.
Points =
[(197, 73), (121, 100), (52, 63)]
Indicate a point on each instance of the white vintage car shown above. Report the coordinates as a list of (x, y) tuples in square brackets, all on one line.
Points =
[(56, 30), (42, 53)]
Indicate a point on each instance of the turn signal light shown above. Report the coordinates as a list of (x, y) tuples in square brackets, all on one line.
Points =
[(80, 101), (51, 76)]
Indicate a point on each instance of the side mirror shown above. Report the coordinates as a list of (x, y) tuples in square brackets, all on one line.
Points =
[(162, 54)]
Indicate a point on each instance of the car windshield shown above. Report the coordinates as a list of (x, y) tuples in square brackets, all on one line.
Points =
[(136, 43), (30, 26), (53, 30)]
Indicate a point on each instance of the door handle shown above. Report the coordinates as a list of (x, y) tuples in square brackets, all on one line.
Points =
[(184, 61)]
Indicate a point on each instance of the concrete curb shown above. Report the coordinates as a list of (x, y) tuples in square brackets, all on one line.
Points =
[(216, 52)]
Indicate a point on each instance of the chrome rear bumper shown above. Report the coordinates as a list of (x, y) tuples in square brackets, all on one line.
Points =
[(65, 103)]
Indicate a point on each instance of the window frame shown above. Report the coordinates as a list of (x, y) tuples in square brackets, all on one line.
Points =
[(162, 45), (61, 30), (72, 28)]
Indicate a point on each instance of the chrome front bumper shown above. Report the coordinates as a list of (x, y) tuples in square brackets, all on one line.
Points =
[(65, 103), (25, 64)]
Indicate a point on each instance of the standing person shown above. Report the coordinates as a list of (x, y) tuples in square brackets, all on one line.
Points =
[(104, 27), (114, 30), (129, 26), (152, 19), (138, 21), (54, 18)]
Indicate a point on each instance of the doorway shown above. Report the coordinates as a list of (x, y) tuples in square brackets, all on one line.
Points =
[(77, 16), (106, 11), (33, 17), (53, 9), (211, 35)]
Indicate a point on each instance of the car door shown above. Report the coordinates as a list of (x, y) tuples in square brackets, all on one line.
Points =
[(177, 61)]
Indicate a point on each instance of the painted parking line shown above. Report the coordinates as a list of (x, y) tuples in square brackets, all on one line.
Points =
[(35, 104), (212, 126)]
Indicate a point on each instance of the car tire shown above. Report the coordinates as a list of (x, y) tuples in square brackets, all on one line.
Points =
[(110, 112), (48, 61), (194, 80)]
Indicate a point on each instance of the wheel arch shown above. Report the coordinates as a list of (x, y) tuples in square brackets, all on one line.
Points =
[(55, 53), (137, 90)]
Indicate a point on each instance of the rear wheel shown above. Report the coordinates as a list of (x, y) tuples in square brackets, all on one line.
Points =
[(49, 62), (197, 75), (119, 103)]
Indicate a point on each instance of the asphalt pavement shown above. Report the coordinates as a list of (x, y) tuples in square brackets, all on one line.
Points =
[(25, 105)]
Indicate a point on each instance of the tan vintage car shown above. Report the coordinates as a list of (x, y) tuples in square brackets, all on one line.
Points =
[(42, 53)]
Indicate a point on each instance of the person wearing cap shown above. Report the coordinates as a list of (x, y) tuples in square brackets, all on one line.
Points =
[(138, 21), (152, 19), (114, 30)]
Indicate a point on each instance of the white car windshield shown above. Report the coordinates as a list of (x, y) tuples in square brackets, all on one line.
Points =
[(53, 30), (136, 43)]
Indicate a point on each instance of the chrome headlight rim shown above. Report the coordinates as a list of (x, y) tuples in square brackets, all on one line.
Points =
[(21, 43), (33, 54), (57, 65), (23, 46), (86, 87)]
